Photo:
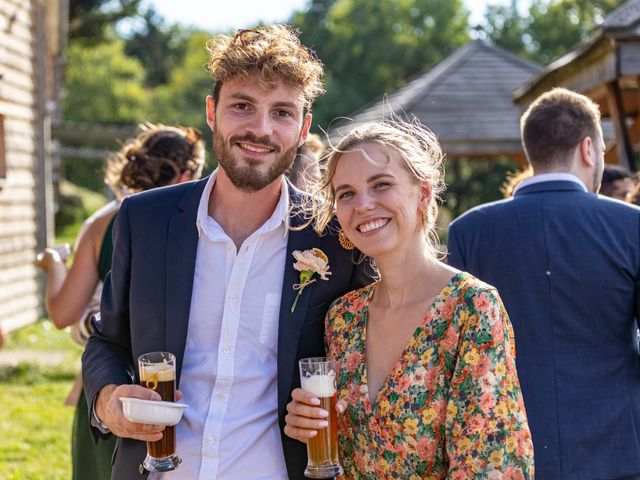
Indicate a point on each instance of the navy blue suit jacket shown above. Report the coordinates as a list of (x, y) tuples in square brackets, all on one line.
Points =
[(566, 264), (147, 297)]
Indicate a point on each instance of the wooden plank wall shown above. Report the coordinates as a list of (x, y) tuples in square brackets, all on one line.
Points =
[(20, 219)]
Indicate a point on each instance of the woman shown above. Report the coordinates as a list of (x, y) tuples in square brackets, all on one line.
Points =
[(428, 383), (158, 156)]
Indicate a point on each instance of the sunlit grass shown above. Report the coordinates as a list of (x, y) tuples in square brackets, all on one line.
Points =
[(35, 425)]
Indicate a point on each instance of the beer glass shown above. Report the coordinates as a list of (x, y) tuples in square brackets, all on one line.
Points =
[(318, 377), (158, 372)]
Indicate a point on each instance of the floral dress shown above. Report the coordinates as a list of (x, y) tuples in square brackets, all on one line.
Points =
[(450, 408)]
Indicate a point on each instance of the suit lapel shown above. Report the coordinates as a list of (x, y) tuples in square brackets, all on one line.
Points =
[(182, 247), (290, 324)]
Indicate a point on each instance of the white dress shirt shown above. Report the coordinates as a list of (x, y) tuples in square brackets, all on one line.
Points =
[(550, 177), (229, 374)]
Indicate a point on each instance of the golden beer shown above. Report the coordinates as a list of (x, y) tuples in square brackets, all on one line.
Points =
[(318, 378), (323, 448)]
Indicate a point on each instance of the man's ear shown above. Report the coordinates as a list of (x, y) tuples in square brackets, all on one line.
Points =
[(306, 125), (211, 112), (587, 152)]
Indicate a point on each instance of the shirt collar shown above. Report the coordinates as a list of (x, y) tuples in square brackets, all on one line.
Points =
[(550, 177), (280, 214)]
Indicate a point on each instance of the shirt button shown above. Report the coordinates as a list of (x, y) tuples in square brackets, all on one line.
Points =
[(226, 349), (212, 440)]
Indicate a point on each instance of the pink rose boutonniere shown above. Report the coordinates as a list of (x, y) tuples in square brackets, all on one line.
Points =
[(309, 263)]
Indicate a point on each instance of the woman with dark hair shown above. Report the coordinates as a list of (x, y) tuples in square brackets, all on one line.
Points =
[(159, 156)]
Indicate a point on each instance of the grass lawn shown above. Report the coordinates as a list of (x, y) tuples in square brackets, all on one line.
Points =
[(35, 425)]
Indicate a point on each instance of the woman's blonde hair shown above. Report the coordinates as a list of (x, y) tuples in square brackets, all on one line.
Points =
[(421, 156), (154, 158)]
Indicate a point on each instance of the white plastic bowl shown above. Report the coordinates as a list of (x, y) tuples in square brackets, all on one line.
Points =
[(151, 411)]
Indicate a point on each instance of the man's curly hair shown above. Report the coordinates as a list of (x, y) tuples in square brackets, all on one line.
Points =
[(273, 52)]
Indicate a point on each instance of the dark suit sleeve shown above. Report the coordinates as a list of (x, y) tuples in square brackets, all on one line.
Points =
[(107, 356), (455, 256)]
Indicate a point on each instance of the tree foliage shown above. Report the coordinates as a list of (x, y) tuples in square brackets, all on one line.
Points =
[(370, 48), (182, 99), (158, 46), (89, 20), (551, 28), (103, 85)]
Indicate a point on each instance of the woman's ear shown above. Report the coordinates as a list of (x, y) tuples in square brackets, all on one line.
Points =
[(425, 196)]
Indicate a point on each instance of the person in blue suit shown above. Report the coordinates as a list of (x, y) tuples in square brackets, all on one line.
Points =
[(210, 271), (567, 264)]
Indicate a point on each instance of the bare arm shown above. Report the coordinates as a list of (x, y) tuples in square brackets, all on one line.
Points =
[(68, 292)]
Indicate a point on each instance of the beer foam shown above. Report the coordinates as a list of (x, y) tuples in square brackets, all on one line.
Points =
[(320, 385), (163, 372)]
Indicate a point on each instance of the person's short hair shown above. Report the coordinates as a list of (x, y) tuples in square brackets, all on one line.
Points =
[(274, 53), (610, 175), (305, 169), (555, 124), (514, 179), (313, 144), (634, 195), (419, 151), (154, 158)]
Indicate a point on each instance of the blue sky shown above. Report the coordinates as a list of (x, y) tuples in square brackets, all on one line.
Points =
[(223, 15)]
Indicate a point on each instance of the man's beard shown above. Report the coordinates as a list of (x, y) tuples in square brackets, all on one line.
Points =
[(248, 178)]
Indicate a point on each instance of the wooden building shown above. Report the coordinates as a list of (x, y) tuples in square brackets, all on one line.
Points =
[(32, 40), (466, 100), (606, 67)]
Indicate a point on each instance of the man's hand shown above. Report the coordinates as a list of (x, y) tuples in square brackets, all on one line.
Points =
[(109, 411)]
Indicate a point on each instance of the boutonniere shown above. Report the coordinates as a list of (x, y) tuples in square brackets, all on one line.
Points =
[(309, 263)]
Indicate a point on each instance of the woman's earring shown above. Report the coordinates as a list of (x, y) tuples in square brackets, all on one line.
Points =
[(344, 241)]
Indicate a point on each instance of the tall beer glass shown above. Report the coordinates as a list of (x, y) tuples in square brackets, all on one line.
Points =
[(318, 377), (158, 372)]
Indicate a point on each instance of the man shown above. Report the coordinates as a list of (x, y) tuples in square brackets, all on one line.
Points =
[(567, 265), (205, 271), (617, 182)]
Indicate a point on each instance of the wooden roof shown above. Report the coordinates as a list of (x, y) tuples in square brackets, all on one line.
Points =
[(466, 100), (609, 54), (606, 68)]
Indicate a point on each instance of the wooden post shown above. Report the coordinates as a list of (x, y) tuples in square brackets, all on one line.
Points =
[(626, 156)]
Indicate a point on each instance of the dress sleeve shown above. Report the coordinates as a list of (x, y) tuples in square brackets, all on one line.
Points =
[(487, 435)]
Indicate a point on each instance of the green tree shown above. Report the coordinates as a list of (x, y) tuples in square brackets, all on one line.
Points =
[(370, 48), (507, 28), (182, 98), (557, 26), (158, 46), (551, 28), (89, 20), (102, 84)]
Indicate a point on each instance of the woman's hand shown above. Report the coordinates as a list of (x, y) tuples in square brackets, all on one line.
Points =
[(304, 416), (50, 256)]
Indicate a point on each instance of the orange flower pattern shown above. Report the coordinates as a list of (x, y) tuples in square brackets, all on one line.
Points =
[(452, 405)]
